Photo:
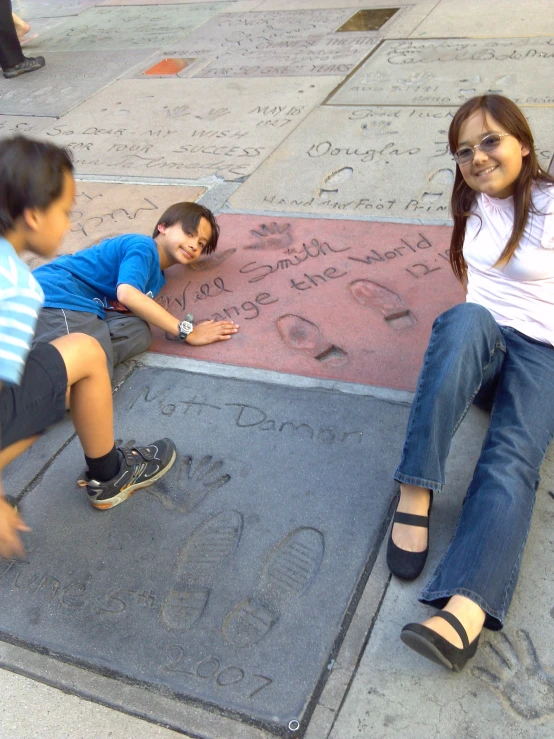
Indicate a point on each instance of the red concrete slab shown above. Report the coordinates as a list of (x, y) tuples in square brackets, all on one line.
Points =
[(346, 300)]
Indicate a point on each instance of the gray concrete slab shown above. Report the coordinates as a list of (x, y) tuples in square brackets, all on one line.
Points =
[(450, 71), (71, 691), (30, 9), (507, 690), (22, 699), (187, 128), (336, 54), (27, 125), (254, 32), (378, 162), (115, 28), (54, 90), (284, 42), (406, 21), (241, 565), (514, 18)]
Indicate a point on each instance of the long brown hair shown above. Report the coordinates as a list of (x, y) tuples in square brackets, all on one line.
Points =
[(510, 117)]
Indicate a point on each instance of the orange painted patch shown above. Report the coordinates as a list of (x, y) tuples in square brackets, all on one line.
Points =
[(168, 66)]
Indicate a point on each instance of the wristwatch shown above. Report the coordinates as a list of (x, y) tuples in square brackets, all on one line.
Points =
[(185, 328)]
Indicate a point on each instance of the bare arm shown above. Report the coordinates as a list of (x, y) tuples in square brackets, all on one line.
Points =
[(144, 307)]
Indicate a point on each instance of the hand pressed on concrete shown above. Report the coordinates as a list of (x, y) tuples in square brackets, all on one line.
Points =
[(271, 237), (185, 491), (513, 670)]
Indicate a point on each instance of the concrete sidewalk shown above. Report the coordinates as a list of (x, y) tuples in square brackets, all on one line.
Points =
[(316, 130)]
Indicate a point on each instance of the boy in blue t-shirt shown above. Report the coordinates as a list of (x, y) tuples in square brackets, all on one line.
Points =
[(36, 195), (108, 290)]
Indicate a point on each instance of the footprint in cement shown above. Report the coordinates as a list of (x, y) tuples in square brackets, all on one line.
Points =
[(299, 333), (390, 304), (288, 571), (184, 489), (207, 549), (514, 672)]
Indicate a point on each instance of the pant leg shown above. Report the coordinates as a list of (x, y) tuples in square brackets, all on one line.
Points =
[(10, 48), (55, 322), (462, 362), (483, 559), (129, 335)]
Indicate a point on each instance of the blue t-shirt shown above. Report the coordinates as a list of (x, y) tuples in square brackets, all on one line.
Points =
[(20, 303), (88, 280)]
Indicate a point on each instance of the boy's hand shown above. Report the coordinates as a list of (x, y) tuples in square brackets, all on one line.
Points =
[(10, 523), (208, 332)]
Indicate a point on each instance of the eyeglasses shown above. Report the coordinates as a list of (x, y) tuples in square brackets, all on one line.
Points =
[(487, 145)]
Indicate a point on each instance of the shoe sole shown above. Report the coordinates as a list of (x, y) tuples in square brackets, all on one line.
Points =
[(424, 647), (124, 494)]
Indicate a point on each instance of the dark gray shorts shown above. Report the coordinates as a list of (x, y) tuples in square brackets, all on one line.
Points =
[(121, 335), (39, 401)]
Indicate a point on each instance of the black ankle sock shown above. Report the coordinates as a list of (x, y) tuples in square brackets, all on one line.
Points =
[(103, 468)]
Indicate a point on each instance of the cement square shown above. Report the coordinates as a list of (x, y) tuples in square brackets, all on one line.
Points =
[(54, 90), (378, 162), (187, 129), (313, 56), (406, 20), (30, 9), (241, 34), (227, 581), (29, 125), (117, 28), (346, 300), (450, 71), (513, 18)]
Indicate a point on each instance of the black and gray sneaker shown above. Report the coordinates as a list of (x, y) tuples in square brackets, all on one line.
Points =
[(140, 467), (29, 64)]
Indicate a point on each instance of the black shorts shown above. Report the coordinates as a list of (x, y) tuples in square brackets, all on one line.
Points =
[(39, 401)]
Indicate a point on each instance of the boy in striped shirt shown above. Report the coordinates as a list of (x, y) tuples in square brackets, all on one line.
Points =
[(36, 195)]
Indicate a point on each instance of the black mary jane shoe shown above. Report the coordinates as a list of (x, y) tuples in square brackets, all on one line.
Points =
[(403, 564), (429, 644)]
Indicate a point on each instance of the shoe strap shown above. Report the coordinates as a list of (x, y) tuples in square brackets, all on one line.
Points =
[(456, 625), (411, 520), (144, 455)]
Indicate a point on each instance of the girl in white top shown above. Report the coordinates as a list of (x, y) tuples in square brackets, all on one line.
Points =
[(496, 350)]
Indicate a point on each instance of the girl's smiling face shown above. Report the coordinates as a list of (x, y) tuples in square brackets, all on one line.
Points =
[(494, 174)]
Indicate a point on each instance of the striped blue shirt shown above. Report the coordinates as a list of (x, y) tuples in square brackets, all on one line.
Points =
[(21, 299)]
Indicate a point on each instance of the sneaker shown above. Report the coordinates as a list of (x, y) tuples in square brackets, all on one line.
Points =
[(30, 64), (140, 467)]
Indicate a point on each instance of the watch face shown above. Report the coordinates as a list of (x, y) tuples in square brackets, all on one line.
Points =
[(185, 328)]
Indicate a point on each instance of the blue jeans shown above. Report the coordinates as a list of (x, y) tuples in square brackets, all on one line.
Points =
[(471, 359)]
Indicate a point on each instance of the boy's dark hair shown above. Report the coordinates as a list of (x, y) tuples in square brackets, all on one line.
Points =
[(188, 216), (31, 176)]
